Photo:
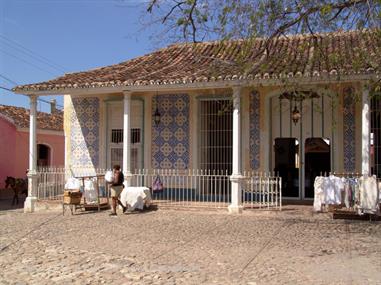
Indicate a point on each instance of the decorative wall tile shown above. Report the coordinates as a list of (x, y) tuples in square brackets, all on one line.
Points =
[(349, 132), (85, 132), (254, 130), (170, 139)]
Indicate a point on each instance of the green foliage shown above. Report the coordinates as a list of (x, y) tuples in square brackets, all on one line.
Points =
[(232, 19)]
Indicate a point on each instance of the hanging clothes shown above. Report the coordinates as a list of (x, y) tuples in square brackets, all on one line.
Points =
[(333, 186), (368, 195), (319, 193)]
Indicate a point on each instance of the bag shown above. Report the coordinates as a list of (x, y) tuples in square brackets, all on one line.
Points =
[(109, 176), (157, 185), (72, 184)]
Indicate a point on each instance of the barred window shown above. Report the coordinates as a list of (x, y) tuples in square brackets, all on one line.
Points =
[(135, 136), (117, 136)]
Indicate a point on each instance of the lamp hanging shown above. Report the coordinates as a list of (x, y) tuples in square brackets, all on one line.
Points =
[(295, 115)]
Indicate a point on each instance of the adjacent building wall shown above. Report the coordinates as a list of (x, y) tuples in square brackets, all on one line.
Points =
[(14, 151), (7, 149), (54, 140)]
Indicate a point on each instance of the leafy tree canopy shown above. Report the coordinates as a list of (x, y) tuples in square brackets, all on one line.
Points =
[(199, 20)]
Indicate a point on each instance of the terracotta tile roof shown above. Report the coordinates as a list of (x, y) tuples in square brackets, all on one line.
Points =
[(339, 53), (20, 117)]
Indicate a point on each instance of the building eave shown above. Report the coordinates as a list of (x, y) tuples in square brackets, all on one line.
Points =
[(221, 84)]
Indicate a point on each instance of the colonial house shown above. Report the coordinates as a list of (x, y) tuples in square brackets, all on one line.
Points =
[(300, 106), (14, 140)]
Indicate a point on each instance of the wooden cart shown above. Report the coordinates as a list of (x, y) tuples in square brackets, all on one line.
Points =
[(102, 197), (75, 199)]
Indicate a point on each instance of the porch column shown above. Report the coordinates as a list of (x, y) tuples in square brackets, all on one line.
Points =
[(365, 133), (235, 178), (30, 201), (126, 138)]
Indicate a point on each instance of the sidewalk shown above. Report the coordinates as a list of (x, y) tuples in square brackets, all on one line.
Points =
[(294, 246)]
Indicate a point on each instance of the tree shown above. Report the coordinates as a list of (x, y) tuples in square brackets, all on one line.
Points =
[(224, 20), (199, 20)]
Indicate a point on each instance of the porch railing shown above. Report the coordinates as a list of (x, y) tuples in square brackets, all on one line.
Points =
[(188, 187), (180, 188), (261, 190), (51, 181)]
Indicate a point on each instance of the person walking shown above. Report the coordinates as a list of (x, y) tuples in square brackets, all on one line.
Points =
[(116, 188)]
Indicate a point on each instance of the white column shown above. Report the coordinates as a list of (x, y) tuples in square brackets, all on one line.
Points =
[(30, 201), (235, 178), (126, 137), (365, 133)]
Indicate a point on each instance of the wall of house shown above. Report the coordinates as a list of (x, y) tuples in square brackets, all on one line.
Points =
[(7, 150), (173, 144), (170, 139), (82, 131), (54, 140)]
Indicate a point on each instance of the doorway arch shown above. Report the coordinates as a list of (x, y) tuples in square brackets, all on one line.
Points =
[(43, 155)]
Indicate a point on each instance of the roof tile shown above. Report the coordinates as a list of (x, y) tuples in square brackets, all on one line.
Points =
[(298, 55), (45, 121)]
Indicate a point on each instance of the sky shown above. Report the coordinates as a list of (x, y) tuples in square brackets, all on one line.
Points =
[(43, 39)]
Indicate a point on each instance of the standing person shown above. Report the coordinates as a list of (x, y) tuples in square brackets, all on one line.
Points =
[(116, 188)]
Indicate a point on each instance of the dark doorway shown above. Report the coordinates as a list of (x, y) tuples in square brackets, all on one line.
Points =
[(287, 165), (317, 161), (43, 155)]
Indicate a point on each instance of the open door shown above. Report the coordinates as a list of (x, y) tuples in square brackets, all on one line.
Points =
[(286, 152), (317, 153)]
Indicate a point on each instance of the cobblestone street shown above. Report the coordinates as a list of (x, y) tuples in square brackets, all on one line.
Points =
[(188, 247)]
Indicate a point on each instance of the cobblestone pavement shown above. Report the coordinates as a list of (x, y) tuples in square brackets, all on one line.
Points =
[(188, 247)]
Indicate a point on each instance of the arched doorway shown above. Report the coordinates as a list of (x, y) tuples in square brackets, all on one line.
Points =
[(43, 155)]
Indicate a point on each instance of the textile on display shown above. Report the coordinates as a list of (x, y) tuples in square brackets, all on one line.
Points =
[(90, 191), (135, 197), (368, 194), (360, 194)]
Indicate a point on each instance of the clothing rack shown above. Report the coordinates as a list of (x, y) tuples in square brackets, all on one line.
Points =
[(342, 174), (355, 197)]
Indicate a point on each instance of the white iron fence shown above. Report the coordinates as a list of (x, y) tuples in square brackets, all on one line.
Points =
[(180, 188), (51, 181), (186, 187), (261, 190)]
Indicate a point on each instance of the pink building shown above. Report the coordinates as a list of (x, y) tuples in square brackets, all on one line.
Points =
[(14, 141)]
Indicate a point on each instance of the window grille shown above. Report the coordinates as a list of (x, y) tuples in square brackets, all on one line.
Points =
[(135, 136), (216, 135), (116, 156), (117, 136)]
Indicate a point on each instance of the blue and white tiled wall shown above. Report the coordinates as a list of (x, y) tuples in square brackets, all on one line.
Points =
[(84, 135), (254, 130), (349, 116), (170, 139)]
